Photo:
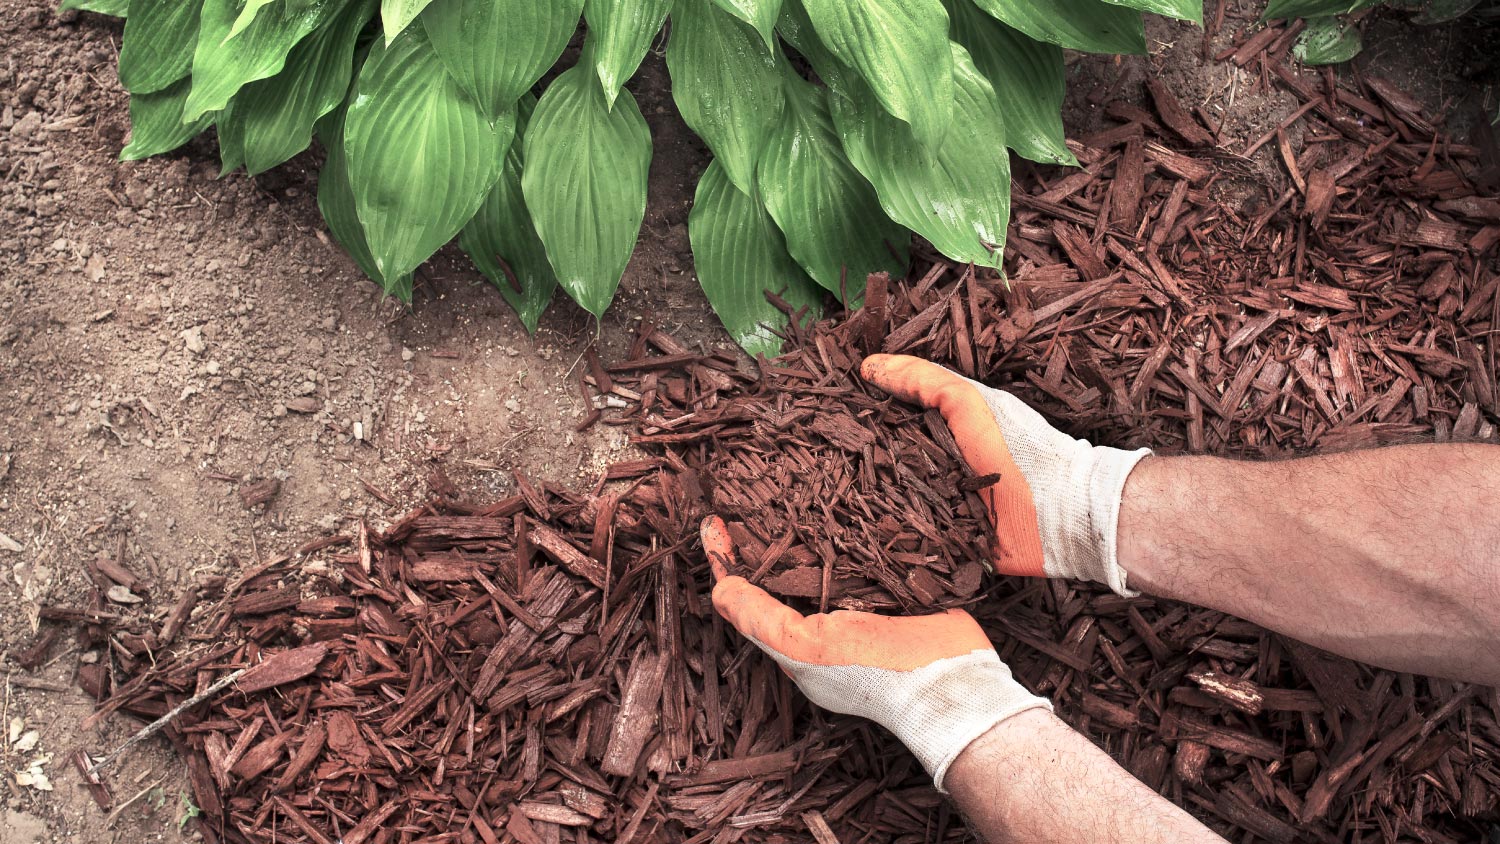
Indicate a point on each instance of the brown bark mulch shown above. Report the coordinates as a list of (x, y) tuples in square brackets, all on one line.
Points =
[(548, 668)]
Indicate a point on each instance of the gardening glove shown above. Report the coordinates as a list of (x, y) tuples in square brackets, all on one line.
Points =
[(1056, 507), (934, 681)]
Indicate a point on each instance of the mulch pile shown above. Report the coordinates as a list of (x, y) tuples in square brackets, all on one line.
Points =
[(836, 496), (548, 668)]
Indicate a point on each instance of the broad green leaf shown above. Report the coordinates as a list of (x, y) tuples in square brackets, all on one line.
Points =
[(797, 30), (271, 120), (156, 124), (620, 33), (1027, 76), (1183, 10), (957, 195), (830, 215), (222, 65), (585, 183), (157, 47), (397, 15), (1089, 25), (760, 14), (113, 8), (422, 155), (231, 141), (502, 241), (336, 201), (726, 85), (900, 47), (1327, 40), (739, 255), (1289, 9), (498, 49), (247, 14)]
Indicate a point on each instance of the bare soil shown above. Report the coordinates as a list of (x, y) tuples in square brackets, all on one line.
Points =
[(156, 323)]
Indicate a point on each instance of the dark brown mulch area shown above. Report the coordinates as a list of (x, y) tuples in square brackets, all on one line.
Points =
[(548, 668)]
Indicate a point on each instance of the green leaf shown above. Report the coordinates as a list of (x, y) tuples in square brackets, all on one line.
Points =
[(156, 122), (830, 215), (1027, 76), (900, 47), (397, 15), (336, 201), (585, 183), (231, 141), (620, 32), (498, 49), (797, 30), (760, 14), (958, 195), (726, 85), (1183, 10), (1089, 25), (502, 232), (157, 47), (422, 155), (739, 255), (1289, 9), (113, 8), (222, 65), (271, 120), (1327, 40), (247, 14)]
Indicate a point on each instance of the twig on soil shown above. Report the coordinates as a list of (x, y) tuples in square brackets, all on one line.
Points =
[(114, 815), (156, 726)]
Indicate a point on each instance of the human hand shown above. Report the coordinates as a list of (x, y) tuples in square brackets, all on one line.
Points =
[(934, 681), (1056, 507)]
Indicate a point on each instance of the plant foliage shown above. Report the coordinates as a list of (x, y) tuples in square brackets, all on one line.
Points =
[(436, 127), (1331, 36)]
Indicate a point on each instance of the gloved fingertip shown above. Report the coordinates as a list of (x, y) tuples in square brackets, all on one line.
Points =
[(896, 374), (911, 379), (717, 546)]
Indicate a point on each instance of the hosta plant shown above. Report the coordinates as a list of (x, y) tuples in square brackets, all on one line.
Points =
[(1331, 36), (838, 127)]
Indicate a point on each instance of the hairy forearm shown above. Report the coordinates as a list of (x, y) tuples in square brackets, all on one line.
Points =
[(1032, 778), (1390, 556)]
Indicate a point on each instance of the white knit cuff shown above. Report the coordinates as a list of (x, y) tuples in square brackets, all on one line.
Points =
[(1112, 467), (964, 704), (936, 710), (1079, 514)]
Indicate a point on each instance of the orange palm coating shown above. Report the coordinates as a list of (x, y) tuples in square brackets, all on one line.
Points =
[(837, 638), (1017, 541)]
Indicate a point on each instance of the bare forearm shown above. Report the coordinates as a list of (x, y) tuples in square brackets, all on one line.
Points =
[(1034, 779), (1390, 556)]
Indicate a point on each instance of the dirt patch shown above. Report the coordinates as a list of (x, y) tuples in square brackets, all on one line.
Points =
[(166, 337), (21, 828)]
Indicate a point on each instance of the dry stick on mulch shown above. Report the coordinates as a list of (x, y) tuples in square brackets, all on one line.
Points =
[(547, 668)]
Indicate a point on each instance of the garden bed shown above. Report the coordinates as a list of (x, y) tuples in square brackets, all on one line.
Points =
[(547, 667)]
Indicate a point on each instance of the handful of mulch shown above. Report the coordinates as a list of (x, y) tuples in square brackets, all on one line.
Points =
[(836, 495)]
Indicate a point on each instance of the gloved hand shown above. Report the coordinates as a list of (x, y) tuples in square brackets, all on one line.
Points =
[(1056, 507), (934, 681)]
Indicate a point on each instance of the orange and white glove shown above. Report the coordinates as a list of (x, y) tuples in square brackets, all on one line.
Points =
[(934, 681), (1056, 507)]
